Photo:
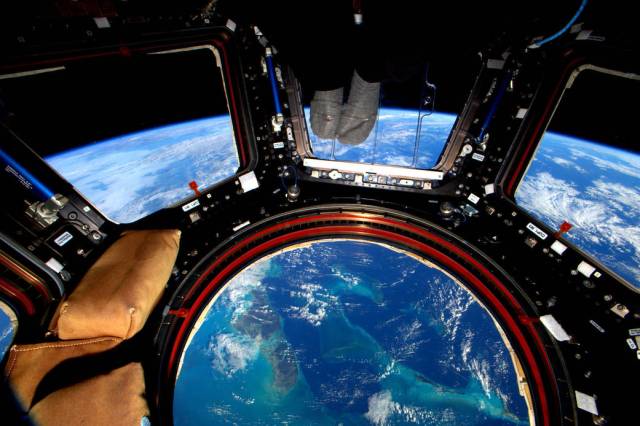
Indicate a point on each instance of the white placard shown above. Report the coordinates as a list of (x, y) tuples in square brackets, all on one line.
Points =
[(585, 269), (554, 327), (489, 189), (539, 232), (558, 247), (63, 239), (521, 113), (102, 22), (586, 403), (249, 182), (54, 265)]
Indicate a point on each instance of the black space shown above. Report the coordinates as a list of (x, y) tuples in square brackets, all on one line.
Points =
[(602, 108), (396, 41), (96, 100), (453, 78)]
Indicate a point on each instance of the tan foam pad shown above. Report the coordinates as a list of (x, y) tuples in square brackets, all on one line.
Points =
[(117, 294), (28, 364), (116, 398)]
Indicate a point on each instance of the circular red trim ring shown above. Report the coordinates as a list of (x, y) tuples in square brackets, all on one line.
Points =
[(11, 291), (514, 323)]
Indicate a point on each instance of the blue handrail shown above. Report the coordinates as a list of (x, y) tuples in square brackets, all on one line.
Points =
[(24, 177), (563, 30)]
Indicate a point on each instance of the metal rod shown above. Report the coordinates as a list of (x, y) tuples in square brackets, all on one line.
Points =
[(494, 105), (274, 82)]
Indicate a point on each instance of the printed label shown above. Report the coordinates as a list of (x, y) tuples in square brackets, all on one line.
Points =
[(631, 344), (191, 205), (23, 181), (63, 239), (539, 232)]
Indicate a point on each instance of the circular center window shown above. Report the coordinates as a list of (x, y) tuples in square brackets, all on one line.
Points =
[(347, 332)]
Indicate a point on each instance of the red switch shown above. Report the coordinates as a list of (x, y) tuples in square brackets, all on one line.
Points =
[(180, 313), (193, 185), (564, 228)]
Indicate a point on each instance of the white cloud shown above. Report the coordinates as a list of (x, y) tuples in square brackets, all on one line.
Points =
[(238, 293), (232, 353), (605, 214), (317, 303), (381, 407), (7, 334), (561, 161)]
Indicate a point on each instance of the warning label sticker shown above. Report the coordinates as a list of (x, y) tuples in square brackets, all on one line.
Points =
[(63, 239)]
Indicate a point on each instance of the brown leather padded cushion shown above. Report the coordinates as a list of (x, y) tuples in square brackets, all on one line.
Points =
[(28, 364), (117, 294), (116, 398)]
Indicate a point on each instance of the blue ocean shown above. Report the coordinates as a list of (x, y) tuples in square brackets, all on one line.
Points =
[(346, 332)]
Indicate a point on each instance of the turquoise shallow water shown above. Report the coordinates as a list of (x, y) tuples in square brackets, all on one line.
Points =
[(346, 332)]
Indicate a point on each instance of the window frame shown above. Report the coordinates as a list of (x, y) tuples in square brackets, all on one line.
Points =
[(222, 44), (525, 148)]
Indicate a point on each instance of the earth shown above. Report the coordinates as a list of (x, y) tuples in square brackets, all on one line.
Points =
[(346, 332)]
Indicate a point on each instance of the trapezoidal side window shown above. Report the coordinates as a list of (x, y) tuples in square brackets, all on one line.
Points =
[(133, 133), (585, 176)]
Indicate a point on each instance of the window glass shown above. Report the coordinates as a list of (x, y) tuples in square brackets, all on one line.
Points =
[(414, 119), (587, 172), (346, 332), (393, 140), (130, 133)]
